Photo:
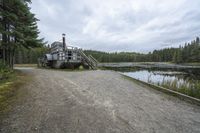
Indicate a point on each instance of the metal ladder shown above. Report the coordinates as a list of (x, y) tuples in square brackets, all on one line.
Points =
[(89, 60)]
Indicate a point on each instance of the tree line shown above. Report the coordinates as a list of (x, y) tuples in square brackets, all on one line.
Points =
[(18, 29), (190, 52), (116, 56)]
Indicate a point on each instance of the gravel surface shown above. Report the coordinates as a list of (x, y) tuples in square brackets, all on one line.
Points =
[(97, 102)]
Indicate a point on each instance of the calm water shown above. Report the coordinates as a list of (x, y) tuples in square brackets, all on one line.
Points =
[(163, 77)]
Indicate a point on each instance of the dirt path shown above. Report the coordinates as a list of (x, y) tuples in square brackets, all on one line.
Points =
[(97, 102)]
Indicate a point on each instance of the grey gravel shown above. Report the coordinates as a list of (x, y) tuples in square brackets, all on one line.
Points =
[(97, 102)]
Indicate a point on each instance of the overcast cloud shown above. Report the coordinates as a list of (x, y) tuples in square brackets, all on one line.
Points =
[(119, 25)]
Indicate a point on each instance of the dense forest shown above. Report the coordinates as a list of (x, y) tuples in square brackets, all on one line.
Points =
[(29, 56), (18, 30), (190, 52)]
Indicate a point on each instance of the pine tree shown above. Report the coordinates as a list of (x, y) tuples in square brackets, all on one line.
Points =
[(175, 57), (18, 28), (179, 56)]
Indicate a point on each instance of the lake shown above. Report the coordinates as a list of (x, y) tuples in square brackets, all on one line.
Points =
[(185, 79), (159, 77), (186, 82)]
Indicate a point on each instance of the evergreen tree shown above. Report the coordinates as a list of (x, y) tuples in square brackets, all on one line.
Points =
[(179, 56), (190, 52), (18, 28), (175, 57)]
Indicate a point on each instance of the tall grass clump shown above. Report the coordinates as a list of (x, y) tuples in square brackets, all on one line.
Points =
[(188, 87)]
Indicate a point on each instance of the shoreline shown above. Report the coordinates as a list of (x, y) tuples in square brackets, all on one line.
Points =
[(177, 94), (146, 65)]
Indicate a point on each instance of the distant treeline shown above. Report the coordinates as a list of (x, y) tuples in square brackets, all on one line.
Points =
[(116, 56), (190, 52)]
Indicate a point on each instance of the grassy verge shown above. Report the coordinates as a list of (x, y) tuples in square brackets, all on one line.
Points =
[(192, 64), (188, 88), (9, 89), (121, 69), (78, 69), (25, 65)]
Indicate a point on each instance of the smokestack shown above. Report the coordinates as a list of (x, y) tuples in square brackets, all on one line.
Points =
[(64, 44)]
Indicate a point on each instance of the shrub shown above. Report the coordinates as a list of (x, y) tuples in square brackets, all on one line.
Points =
[(4, 71)]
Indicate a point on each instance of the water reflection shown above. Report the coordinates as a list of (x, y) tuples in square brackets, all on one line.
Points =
[(186, 81), (170, 78)]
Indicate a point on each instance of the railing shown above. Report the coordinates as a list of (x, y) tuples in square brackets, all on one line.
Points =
[(71, 47), (57, 48), (88, 59), (93, 59)]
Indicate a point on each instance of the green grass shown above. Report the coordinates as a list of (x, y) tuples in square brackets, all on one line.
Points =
[(189, 88), (25, 65), (121, 69), (192, 64), (9, 89), (79, 69)]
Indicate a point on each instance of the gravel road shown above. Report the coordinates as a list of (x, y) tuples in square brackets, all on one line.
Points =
[(97, 102)]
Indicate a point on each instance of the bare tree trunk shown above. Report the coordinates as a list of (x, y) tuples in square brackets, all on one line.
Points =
[(10, 58), (7, 56), (13, 59)]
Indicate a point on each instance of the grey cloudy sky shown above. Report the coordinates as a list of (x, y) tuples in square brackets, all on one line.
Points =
[(119, 25)]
